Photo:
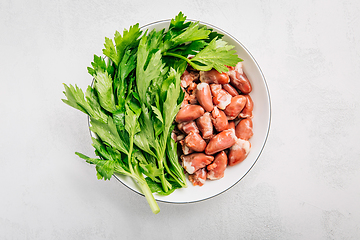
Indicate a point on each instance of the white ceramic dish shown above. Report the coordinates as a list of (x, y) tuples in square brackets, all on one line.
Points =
[(261, 123)]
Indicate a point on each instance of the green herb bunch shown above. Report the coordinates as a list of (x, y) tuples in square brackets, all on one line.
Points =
[(136, 95)]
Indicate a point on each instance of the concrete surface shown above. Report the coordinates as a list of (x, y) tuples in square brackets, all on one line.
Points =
[(305, 184)]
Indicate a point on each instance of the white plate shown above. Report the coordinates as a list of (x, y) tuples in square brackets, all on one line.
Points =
[(261, 124)]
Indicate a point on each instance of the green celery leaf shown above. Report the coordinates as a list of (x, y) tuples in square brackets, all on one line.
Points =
[(213, 35), (174, 166), (76, 99), (122, 87), (170, 106), (157, 114), (119, 119), (156, 187), (100, 149), (178, 21), (108, 134), (147, 126), (166, 84), (158, 121), (110, 50), (176, 27), (99, 63), (192, 33), (143, 142), (93, 102), (121, 159), (152, 70), (104, 168), (155, 38), (218, 55), (132, 125), (194, 47), (148, 165), (133, 104), (129, 39), (127, 64), (151, 170), (104, 86)]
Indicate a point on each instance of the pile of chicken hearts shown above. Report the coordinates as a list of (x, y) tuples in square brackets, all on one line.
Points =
[(214, 122)]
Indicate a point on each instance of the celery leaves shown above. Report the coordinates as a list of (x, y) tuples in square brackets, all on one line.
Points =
[(218, 54), (116, 51), (136, 95)]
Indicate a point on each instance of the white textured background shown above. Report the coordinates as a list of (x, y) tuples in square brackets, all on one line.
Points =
[(305, 184)]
